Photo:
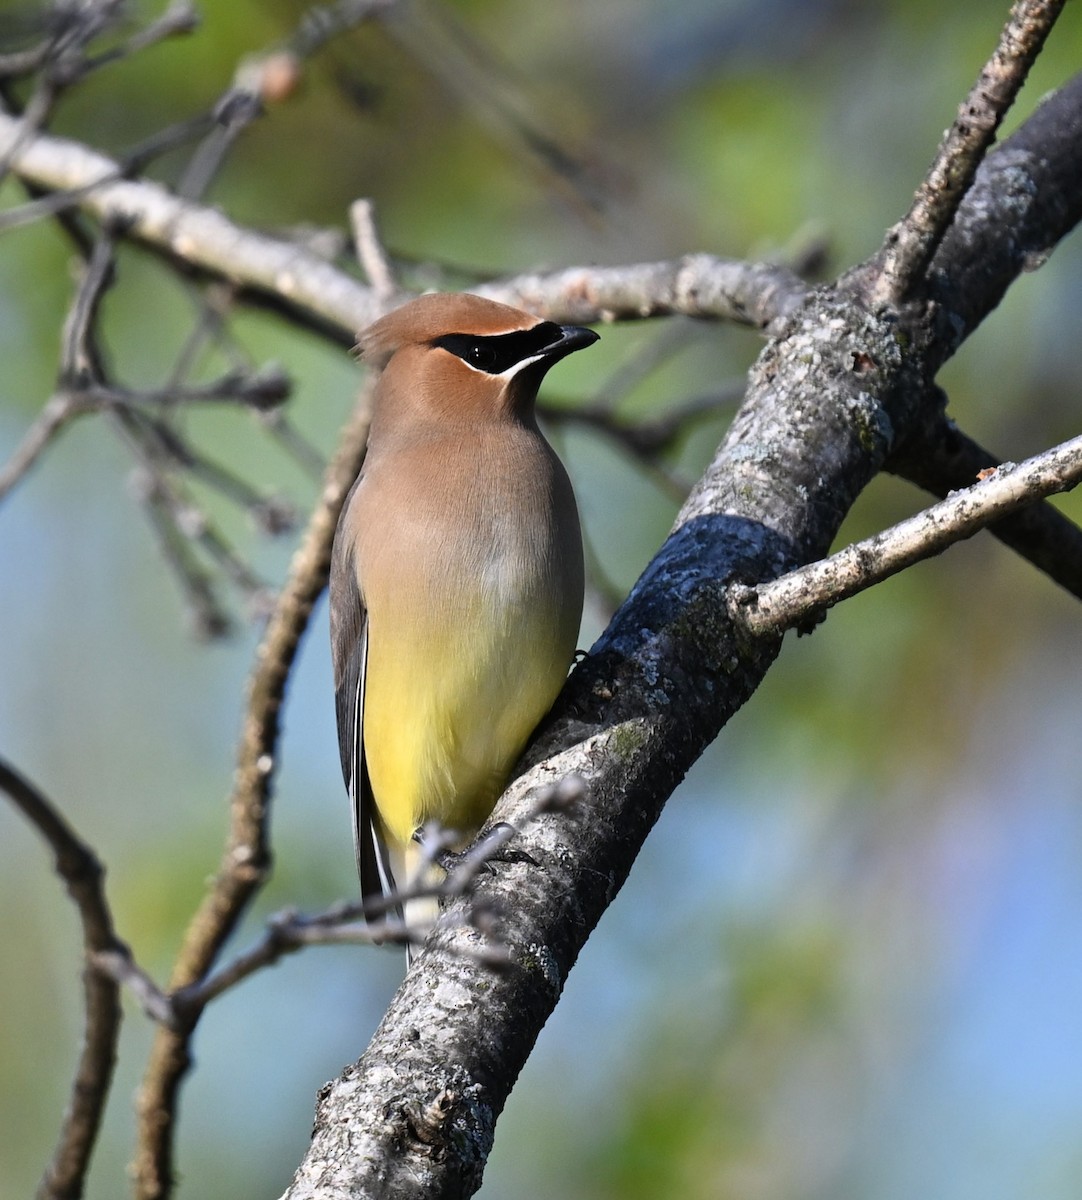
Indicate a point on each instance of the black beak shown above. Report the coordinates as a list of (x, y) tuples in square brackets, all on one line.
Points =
[(572, 338)]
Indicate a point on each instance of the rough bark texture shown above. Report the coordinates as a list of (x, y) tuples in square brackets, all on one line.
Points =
[(828, 398)]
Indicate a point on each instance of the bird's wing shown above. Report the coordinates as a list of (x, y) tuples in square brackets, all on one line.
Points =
[(349, 653)]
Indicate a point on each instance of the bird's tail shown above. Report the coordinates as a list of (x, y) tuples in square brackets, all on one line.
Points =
[(410, 869)]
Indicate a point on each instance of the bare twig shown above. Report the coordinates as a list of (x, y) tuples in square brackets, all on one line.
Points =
[(270, 514), (246, 860), (30, 122), (82, 874), (650, 437), (302, 451), (233, 113), (802, 596), (47, 204), (197, 235), (53, 418), (322, 22), (80, 360), (761, 295), (207, 616), (120, 966), (941, 458), (371, 253), (17, 63), (63, 58), (289, 931), (180, 17), (286, 933), (315, 292), (265, 77), (182, 520), (472, 73), (912, 243)]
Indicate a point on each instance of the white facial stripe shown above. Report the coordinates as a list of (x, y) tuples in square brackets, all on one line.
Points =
[(510, 372)]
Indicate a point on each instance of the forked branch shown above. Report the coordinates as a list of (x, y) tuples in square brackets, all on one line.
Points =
[(801, 597)]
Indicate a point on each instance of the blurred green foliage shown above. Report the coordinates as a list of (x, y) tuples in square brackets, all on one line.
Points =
[(819, 946)]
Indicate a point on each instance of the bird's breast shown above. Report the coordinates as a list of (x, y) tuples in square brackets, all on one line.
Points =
[(471, 573)]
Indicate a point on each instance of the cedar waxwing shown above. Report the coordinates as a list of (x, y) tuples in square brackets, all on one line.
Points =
[(456, 577)]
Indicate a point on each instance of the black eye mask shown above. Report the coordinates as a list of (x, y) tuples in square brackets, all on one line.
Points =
[(495, 353)]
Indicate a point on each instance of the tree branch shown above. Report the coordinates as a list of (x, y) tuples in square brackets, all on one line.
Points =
[(941, 459), (318, 293), (911, 244), (82, 874), (800, 598), (1033, 181)]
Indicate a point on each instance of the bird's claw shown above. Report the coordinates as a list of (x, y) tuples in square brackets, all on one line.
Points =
[(490, 847)]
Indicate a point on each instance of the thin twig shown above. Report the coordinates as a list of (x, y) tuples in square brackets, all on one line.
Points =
[(16, 63), (180, 18), (82, 874), (802, 596), (289, 931), (286, 933), (30, 123), (169, 501), (120, 966), (80, 360), (263, 390), (322, 22), (941, 459), (236, 110), (661, 345), (271, 514), (912, 243), (207, 617), (370, 250), (651, 437), (56, 414), (49, 204), (648, 438), (246, 860), (300, 449), (137, 158)]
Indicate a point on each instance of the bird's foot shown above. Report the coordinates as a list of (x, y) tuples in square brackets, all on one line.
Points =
[(491, 847)]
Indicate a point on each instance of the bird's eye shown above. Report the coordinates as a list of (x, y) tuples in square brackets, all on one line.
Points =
[(496, 353), (481, 356)]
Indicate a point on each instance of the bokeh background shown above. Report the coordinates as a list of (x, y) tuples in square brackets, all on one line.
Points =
[(849, 960)]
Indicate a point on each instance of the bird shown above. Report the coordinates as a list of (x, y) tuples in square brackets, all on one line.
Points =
[(456, 581)]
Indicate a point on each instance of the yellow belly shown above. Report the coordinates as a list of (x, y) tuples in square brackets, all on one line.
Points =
[(450, 706)]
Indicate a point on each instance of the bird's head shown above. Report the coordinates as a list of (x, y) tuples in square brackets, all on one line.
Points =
[(460, 355)]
